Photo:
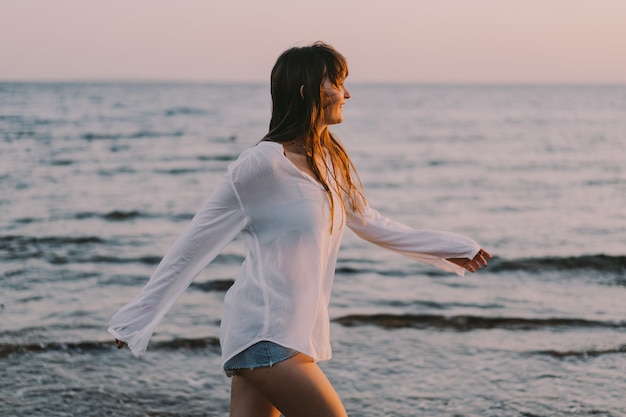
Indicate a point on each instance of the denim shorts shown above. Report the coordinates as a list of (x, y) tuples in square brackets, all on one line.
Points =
[(259, 355)]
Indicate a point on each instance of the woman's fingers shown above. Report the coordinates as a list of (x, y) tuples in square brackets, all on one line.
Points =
[(472, 265), (481, 258), (119, 343), (486, 255)]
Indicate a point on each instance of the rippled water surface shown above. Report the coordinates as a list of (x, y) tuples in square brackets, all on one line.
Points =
[(97, 180)]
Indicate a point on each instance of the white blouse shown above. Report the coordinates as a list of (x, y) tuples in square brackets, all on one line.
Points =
[(282, 291)]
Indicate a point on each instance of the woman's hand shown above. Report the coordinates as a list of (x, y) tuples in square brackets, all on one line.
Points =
[(479, 261), (119, 343)]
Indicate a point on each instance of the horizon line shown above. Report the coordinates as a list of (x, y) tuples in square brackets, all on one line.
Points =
[(258, 82)]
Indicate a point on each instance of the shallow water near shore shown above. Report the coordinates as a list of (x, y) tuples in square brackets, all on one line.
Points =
[(97, 180)]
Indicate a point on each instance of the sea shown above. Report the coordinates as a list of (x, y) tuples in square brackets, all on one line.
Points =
[(98, 179)]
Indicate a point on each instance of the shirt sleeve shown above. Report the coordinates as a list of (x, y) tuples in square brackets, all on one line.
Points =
[(217, 223), (426, 246)]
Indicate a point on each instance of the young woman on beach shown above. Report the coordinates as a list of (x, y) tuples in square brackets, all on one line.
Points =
[(291, 197)]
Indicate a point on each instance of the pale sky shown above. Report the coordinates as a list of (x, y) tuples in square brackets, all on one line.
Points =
[(426, 41)]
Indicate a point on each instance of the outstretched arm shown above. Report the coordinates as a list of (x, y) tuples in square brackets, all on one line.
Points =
[(219, 220), (448, 251)]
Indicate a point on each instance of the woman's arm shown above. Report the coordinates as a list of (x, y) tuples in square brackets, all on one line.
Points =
[(448, 251), (216, 224)]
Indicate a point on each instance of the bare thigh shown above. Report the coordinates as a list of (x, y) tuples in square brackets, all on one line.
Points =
[(297, 387), (247, 401)]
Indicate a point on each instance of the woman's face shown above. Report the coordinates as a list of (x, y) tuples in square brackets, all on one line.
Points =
[(336, 96)]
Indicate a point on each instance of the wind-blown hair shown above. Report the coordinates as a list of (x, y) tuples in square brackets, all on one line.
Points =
[(298, 101)]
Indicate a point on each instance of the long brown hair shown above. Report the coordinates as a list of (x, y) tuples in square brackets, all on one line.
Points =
[(298, 108)]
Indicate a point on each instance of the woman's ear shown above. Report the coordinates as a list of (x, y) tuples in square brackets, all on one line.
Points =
[(302, 91)]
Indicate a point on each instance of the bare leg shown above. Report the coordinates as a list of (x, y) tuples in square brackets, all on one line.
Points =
[(297, 387), (247, 401)]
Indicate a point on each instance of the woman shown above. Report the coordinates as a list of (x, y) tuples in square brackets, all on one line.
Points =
[(290, 196)]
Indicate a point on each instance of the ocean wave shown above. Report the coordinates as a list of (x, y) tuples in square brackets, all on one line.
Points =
[(24, 247), (60, 250), (586, 353), (599, 262), (469, 323), (115, 215), (121, 215), (213, 286), (61, 162), (434, 305), (10, 240), (146, 260), (186, 111), (178, 171), (7, 349), (219, 158), (91, 136), (98, 259)]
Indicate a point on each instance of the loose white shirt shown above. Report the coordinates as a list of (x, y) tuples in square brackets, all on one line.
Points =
[(282, 291)]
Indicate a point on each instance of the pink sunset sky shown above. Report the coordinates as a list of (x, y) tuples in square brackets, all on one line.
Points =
[(500, 41)]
